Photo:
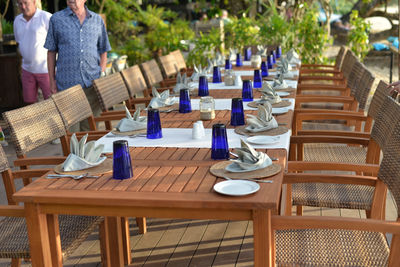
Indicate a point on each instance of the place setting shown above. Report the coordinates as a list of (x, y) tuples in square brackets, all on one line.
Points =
[(271, 96), (163, 101)]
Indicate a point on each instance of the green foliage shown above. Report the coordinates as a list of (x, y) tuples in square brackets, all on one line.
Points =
[(205, 46), (311, 37), (358, 36), (241, 32), (342, 6), (7, 27)]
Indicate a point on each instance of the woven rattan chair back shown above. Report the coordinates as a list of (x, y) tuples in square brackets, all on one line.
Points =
[(169, 65), (111, 90), (152, 73), (388, 116), (180, 60), (3, 160), (364, 88), (380, 94), (34, 125), (355, 76), (339, 57), (389, 171), (348, 61), (134, 81), (72, 105)]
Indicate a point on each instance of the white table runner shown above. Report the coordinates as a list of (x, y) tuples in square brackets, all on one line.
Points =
[(182, 138), (213, 86), (225, 104)]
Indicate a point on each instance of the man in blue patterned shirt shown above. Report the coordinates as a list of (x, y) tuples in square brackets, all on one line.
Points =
[(79, 37)]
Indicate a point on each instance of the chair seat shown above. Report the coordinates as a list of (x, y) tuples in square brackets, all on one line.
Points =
[(334, 153), (338, 196), (74, 230), (326, 247)]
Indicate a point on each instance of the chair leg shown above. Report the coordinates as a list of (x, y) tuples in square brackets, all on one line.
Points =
[(299, 210), (103, 236), (125, 240), (141, 223), (15, 262)]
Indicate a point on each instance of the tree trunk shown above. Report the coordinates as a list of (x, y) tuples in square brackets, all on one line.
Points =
[(364, 9)]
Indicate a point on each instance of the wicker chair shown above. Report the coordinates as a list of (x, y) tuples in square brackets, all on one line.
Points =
[(136, 84), (181, 64), (331, 241), (169, 66), (367, 151), (31, 127), (329, 69)]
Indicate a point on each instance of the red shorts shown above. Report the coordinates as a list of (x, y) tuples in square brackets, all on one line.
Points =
[(31, 83)]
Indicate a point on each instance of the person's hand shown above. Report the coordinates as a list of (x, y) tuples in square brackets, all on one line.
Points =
[(394, 87), (53, 86)]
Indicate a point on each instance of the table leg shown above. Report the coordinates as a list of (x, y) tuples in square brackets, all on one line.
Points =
[(125, 240), (262, 232), (115, 247), (38, 236), (54, 239)]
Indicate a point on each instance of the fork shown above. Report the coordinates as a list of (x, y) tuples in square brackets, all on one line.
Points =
[(253, 180), (75, 177)]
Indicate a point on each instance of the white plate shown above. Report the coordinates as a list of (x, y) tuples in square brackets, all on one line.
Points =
[(279, 110), (263, 139), (236, 187), (283, 93)]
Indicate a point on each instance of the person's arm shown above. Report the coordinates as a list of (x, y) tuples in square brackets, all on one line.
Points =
[(103, 61), (51, 67)]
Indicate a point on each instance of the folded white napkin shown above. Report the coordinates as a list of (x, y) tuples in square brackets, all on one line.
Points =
[(161, 100), (232, 53), (269, 94), (249, 158), (83, 155), (293, 57), (182, 82), (198, 71), (132, 123), (219, 59), (262, 50), (263, 121), (284, 64), (279, 83)]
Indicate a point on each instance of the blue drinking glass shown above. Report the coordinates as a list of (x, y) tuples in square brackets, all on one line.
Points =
[(216, 75), (247, 54), (122, 165), (273, 53), (228, 64), (237, 113), (219, 143), (278, 51), (184, 101), (247, 91), (203, 86), (269, 61), (153, 124), (257, 79), (264, 69), (239, 60)]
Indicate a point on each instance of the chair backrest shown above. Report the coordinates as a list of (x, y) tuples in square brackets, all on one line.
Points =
[(389, 171), (180, 60), (3, 160), (152, 73), (111, 90), (169, 65), (348, 61), (380, 94), (340, 56), (72, 105), (34, 125), (134, 80), (364, 88), (388, 117), (355, 76)]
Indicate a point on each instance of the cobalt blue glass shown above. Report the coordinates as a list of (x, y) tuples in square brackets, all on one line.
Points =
[(153, 124), (247, 54), (216, 75), (237, 113), (228, 64), (273, 53), (239, 60), (203, 86), (122, 165), (184, 101), (278, 51), (219, 143), (269, 61), (257, 79), (264, 69), (247, 91)]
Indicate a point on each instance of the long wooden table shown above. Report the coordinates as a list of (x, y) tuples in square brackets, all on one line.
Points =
[(167, 183)]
